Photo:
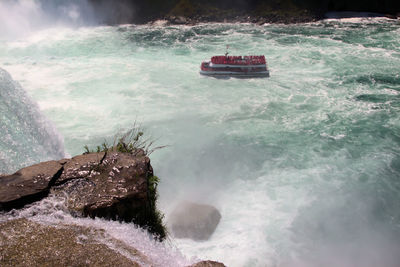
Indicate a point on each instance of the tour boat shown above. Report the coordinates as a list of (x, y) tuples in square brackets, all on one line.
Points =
[(235, 66)]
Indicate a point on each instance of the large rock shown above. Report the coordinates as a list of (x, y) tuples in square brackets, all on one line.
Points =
[(110, 185), (80, 166), (28, 184), (194, 221)]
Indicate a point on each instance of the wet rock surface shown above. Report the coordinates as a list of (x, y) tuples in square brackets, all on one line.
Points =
[(80, 166), (27, 243), (111, 185), (28, 184), (194, 221)]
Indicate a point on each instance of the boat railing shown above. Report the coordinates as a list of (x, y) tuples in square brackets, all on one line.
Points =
[(239, 60)]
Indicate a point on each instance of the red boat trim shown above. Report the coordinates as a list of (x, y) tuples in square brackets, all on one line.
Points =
[(238, 60), (235, 66)]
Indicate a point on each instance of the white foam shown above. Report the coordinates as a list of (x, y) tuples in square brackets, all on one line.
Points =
[(51, 211)]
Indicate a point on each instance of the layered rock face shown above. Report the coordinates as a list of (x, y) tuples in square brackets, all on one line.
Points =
[(110, 185)]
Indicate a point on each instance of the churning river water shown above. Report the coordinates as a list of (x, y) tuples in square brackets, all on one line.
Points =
[(304, 166)]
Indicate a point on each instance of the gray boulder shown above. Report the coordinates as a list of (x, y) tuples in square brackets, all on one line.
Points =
[(194, 221)]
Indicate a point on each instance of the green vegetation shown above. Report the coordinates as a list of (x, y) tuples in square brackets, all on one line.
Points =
[(134, 142), (149, 216), (155, 217)]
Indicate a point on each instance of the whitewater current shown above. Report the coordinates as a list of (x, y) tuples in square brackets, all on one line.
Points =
[(304, 166)]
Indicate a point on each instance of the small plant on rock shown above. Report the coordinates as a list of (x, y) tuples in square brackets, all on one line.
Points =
[(132, 141)]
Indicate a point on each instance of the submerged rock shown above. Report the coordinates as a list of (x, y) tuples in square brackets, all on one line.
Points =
[(194, 221), (208, 264)]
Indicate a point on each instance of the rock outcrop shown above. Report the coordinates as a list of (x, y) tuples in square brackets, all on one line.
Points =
[(28, 184), (194, 221), (27, 243), (111, 185), (114, 185), (256, 11)]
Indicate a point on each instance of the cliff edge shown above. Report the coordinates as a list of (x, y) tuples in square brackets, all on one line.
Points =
[(256, 11), (112, 185)]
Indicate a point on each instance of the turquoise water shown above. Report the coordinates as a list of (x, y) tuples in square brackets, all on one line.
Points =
[(304, 166)]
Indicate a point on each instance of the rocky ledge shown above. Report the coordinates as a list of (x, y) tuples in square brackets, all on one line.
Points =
[(111, 185), (27, 243), (117, 184)]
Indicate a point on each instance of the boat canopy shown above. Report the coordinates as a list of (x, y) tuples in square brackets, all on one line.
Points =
[(238, 60)]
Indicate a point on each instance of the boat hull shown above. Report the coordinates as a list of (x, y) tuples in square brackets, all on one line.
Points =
[(237, 67), (235, 74)]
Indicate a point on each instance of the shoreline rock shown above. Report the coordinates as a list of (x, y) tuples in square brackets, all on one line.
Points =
[(27, 243), (28, 185), (260, 20), (111, 185), (190, 12)]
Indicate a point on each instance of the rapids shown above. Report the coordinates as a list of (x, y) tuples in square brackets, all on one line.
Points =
[(304, 166)]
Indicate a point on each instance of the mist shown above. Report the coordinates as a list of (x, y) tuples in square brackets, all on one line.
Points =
[(354, 225), (21, 17)]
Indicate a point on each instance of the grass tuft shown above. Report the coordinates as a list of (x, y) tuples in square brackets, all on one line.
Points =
[(134, 142)]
